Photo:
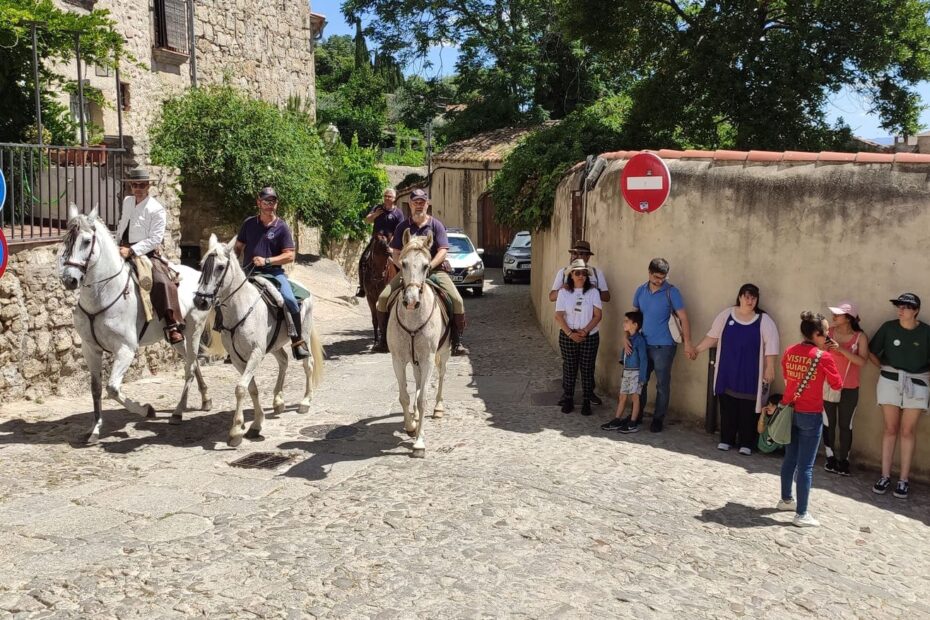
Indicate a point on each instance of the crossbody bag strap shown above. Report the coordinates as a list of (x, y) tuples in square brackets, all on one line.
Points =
[(810, 375), (668, 295)]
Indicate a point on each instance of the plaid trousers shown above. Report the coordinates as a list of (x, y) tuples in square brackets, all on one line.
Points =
[(577, 355)]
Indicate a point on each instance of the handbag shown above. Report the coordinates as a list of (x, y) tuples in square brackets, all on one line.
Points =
[(674, 321), (833, 396), (775, 430)]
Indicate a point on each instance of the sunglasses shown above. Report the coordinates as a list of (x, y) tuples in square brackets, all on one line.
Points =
[(269, 201), (139, 184), (579, 273)]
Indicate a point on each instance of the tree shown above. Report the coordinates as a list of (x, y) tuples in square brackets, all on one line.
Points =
[(758, 74), (100, 45), (335, 62)]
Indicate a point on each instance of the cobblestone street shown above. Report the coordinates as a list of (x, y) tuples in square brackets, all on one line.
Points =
[(516, 511)]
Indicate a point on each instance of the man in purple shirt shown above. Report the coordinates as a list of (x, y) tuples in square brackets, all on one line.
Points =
[(420, 223), (385, 217), (264, 243)]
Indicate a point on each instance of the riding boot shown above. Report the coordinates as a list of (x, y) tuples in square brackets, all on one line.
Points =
[(381, 346), (458, 326), (174, 328), (298, 346)]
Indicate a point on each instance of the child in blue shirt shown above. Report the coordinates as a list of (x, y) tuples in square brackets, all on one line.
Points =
[(633, 377)]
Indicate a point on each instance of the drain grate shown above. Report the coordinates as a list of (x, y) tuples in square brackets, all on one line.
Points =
[(329, 431), (262, 460)]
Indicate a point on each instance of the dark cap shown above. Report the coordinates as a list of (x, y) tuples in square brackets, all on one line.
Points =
[(582, 247), (418, 194), (267, 192), (907, 298)]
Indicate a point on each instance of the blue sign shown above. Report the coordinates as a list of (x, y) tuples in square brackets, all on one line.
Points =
[(2, 190)]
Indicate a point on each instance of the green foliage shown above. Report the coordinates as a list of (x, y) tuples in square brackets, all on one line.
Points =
[(100, 45), (524, 189), (354, 182), (411, 180), (334, 61), (419, 101), (409, 148), (224, 139), (757, 75)]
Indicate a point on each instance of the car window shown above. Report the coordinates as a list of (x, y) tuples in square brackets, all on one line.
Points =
[(521, 241), (460, 245)]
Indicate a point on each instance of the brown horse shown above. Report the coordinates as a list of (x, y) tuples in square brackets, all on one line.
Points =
[(379, 270)]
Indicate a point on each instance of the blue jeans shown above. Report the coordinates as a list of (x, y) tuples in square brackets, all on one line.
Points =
[(284, 286), (660, 358), (800, 455)]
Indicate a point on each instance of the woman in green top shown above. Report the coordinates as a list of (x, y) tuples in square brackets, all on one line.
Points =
[(902, 350)]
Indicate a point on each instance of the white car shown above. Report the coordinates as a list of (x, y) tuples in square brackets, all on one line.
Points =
[(467, 266)]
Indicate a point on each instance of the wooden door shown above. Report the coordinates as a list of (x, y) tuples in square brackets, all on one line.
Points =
[(493, 237)]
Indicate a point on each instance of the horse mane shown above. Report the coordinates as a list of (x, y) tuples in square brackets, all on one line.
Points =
[(81, 223), (208, 260), (416, 244)]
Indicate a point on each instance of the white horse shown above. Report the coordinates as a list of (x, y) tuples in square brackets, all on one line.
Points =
[(418, 334), (109, 315), (250, 331)]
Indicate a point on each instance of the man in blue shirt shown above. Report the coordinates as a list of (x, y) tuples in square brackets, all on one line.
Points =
[(264, 243), (385, 217), (657, 299)]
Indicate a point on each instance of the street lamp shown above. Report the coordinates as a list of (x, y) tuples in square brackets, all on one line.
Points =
[(331, 134)]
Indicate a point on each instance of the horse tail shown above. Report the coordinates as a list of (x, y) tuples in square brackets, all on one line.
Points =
[(316, 349), (212, 341)]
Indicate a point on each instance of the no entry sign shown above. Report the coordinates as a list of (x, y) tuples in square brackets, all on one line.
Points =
[(645, 182), (4, 253)]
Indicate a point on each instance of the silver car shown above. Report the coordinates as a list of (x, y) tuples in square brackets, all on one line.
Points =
[(467, 266), (518, 257)]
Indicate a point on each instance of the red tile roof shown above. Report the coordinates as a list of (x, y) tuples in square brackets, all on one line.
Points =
[(488, 146)]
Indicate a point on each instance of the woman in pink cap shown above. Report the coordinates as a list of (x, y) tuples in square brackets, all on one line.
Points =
[(849, 347)]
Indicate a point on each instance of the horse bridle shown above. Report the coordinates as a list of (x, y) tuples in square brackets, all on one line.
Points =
[(219, 284), (83, 267)]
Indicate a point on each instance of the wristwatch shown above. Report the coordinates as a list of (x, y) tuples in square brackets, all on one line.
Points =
[(267, 261)]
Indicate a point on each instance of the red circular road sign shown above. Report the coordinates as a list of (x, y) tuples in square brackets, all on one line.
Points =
[(4, 253), (645, 182)]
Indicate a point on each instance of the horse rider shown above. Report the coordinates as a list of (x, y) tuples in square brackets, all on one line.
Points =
[(420, 223), (385, 217), (265, 243), (140, 232)]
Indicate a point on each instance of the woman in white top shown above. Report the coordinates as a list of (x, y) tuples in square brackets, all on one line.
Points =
[(578, 312)]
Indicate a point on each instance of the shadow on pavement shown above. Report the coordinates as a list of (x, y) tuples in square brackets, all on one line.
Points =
[(349, 342), (741, 516)]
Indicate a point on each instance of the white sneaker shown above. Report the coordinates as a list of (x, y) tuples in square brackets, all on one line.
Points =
[(806, 520), (785, 504), (723, 446), (745, 451)]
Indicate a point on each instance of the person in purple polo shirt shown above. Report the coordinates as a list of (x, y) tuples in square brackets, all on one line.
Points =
[(385, 217), (264, 244), (421, 223)]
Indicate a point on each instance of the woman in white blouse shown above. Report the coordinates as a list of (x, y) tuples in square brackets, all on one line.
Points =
[(578, 312)]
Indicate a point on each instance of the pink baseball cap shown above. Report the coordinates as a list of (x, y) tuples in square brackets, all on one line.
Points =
[(845, 307)]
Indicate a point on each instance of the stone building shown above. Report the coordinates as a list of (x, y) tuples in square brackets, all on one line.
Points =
[(265, 48)]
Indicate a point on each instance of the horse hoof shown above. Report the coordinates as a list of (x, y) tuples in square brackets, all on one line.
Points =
[(175, 420), (207, 405), (278, 409), (419, 453), (303, 408), (149, 411), (233, 442), (253, 433), (412, 433), (92, 438), (438, 413)]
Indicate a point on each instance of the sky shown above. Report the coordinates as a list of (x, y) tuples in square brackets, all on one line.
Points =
[(844, 104)]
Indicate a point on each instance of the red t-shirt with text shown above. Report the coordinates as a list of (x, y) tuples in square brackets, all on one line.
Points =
[(794, 366)]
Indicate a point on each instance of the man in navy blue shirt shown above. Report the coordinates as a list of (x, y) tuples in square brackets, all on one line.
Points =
[(421, 223), (265, 243), (657, 299), (385, 217)]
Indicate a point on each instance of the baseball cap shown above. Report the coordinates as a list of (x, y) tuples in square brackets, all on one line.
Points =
[(267, 192), (907, 298), (845, 307), (419, 194)]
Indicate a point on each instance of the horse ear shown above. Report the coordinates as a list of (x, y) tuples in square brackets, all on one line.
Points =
[(231, 247), (72, 211), (92, 216), (212, 244), (406, 236)]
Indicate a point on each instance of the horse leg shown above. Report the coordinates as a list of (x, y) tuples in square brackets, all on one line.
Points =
[(255, 429), (194, 351), (400, 371), (122, 359), (313, 365), (206, 403), (190, 360), (372, 303), (442, 357), (423, 376), (281, 356), (246, 380), (94, 361)]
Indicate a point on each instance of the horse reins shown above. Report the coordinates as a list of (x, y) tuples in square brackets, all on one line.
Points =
[(413, 332)]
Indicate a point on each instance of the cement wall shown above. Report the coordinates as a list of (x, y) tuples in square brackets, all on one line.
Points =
[(808, 235), (454, 193)]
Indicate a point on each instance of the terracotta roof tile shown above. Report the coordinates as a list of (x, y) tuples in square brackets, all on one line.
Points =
[(828, 156), (765, 156), (911, 158), (721, 155), (488, 146)]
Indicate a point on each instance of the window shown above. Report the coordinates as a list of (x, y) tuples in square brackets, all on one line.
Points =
[(460, 245), (124, 96), (171, 25)]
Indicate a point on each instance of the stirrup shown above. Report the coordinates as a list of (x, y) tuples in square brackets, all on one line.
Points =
[(170, 332), (299, 349)]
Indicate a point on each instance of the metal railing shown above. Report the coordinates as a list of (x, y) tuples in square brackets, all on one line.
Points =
[(42, 181)]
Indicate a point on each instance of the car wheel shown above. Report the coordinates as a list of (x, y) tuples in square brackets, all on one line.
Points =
[(478, 291), (508, 280)]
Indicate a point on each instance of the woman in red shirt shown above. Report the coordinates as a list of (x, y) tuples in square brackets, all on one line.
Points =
[(807, 424)]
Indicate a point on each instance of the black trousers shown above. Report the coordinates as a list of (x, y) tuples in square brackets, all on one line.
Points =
[(738, 420), (578, 355), (839, 423)]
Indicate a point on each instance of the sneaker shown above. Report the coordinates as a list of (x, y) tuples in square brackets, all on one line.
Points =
[(567, 406), (901, 489), (723, 446), (745, 451), (586, 408), (882, 485), (786, 505), (632, 426), (843, 468), (831, 465), (805, 520), (656, 426), (613, 424), (596, 400)]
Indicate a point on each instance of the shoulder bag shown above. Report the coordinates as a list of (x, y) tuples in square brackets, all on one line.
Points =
[(775, 430), (674, 321)]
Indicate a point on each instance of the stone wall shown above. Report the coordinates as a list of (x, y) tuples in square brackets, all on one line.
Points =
[(347, 253), (808, 234)]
